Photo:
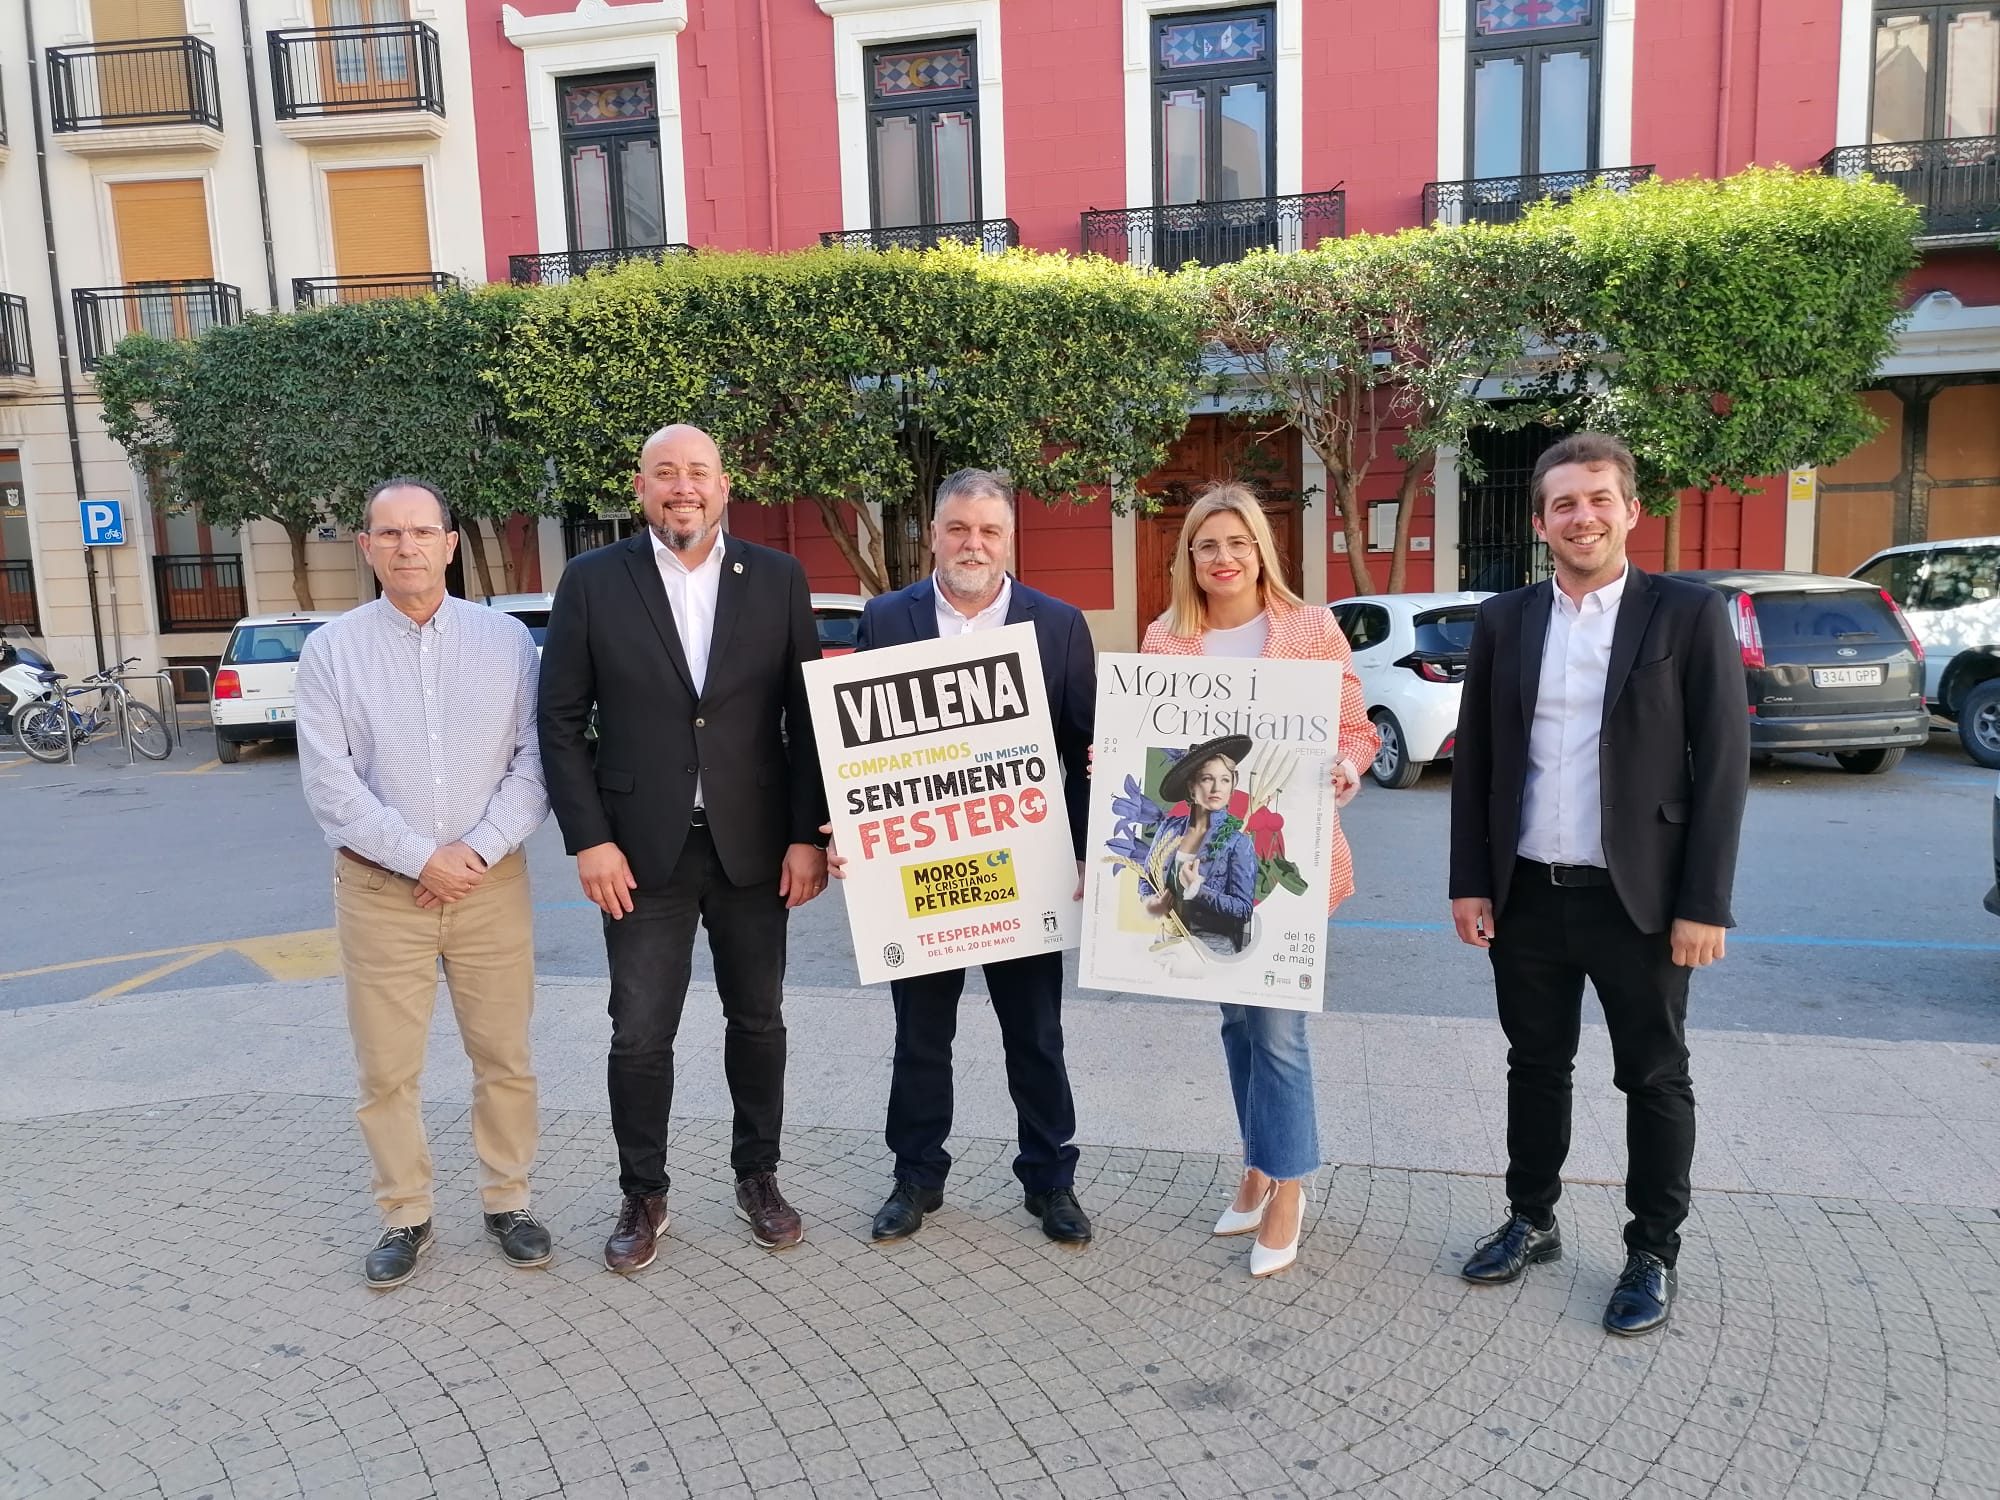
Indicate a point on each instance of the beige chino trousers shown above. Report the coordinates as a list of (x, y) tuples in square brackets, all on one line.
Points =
[(389, 953)]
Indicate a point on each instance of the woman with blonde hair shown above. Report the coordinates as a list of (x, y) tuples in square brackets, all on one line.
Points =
[(1230, 599)]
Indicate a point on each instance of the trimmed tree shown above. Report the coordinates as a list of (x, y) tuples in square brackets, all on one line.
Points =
[(1734, 321), (290, 417), (853, 379), (1380, 343)]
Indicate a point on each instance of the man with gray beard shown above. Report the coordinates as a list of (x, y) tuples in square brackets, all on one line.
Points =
[(972, 542), (699, 804)]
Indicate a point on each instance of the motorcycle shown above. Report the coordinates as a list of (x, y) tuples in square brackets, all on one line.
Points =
[(23, 681)]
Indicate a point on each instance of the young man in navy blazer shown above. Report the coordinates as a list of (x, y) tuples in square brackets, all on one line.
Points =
[(972, 542)]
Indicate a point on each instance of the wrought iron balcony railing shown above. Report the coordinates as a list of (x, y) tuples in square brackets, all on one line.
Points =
[(343, 70), (325, 291), (1214, 233), (165, 309), (990, 235), (17, 593), (116, 85), (1502, 200), (17, 355), (196, 591), (557, 266), (1955, 183)]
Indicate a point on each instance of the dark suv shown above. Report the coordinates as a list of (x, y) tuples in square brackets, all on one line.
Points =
[(1830, 663)]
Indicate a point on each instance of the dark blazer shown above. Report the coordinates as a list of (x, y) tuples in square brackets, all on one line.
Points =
[(612, 643), (1674, 757), (1069, 669)]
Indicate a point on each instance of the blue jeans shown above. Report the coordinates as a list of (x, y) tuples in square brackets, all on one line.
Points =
[(1271, 1075)]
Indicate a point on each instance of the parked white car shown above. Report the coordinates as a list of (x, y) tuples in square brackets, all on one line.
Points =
[(532, 610), (254, 698), (1950, 594), (1410, 655), (838, 617)]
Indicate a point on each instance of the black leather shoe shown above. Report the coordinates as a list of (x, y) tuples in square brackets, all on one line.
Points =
[(1509, 1250), (1063, 1218), (1644, 1298), (393, 1261), (903, 1213), (523, 1239)]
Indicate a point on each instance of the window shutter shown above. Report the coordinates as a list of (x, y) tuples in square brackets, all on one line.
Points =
[(380, 226), (136, 20), (162, 230)]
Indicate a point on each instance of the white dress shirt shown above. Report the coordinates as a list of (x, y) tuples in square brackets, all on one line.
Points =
[(414, 736), (1562, 821), (951, 622), (691, 594)]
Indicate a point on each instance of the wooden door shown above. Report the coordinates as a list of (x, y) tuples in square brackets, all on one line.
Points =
[(356, 69), (1218, 447)]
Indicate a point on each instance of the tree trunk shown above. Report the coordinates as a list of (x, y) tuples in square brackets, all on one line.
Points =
[(1353, 523), (302, 592), (475, 538), (1672, 559), (869, 571), (1407, 491)]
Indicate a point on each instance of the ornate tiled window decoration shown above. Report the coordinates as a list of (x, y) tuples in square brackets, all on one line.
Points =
[(1498, 17), (587, 104), (1197, 44), (931, 71)]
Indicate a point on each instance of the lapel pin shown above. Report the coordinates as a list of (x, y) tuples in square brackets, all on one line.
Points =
[(739, 567)]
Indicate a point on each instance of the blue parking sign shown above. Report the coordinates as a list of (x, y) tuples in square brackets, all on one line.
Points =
[(103, 523)]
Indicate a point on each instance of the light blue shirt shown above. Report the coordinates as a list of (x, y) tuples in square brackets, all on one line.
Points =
[(414, 736)]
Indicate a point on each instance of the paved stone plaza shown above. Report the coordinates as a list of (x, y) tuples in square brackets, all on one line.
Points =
[(181, 1314)]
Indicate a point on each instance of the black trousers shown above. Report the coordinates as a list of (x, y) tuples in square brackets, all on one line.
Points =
[(1027, 1002), (651, 949), (1550, 940)]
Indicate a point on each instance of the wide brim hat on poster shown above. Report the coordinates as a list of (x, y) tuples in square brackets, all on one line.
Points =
[(1174, 780)]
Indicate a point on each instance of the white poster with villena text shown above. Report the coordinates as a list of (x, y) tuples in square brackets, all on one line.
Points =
[(946, 793), (1211, 828)]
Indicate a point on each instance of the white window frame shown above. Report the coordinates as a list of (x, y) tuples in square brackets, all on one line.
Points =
[(323, 202), (1288, 109), (1615, 86), (598, 38), (861, 24)]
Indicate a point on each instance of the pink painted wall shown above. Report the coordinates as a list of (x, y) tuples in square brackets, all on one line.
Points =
[(1065, 550), (1065, 92), (1371, 106), (1783, 77)]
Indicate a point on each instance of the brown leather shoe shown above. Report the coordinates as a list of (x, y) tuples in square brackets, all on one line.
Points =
[(773, 1222), (635, 1240)]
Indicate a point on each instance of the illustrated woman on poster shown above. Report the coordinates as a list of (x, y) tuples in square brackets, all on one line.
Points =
[(1209, 860)]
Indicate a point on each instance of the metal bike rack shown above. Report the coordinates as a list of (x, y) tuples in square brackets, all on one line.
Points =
[(163, 688), (208, 696)]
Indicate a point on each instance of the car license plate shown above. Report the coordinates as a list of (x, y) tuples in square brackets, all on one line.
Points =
[(278, 715), (1847, 677)]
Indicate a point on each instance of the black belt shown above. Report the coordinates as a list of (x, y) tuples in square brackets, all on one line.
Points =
[(698, 818), (1568, 876)]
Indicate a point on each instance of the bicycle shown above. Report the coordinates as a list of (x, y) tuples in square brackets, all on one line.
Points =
[(47, 730)]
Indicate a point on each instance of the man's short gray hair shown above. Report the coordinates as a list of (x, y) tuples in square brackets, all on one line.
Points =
[(976, 484)]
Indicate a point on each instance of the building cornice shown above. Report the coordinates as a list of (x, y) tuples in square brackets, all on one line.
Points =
[(594, 21)]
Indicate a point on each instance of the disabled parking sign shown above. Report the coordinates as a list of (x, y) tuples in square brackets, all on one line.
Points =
[(103, 523)]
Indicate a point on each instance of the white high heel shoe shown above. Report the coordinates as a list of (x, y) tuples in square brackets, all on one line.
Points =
[(1266, 1260), (1244, 1221)]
